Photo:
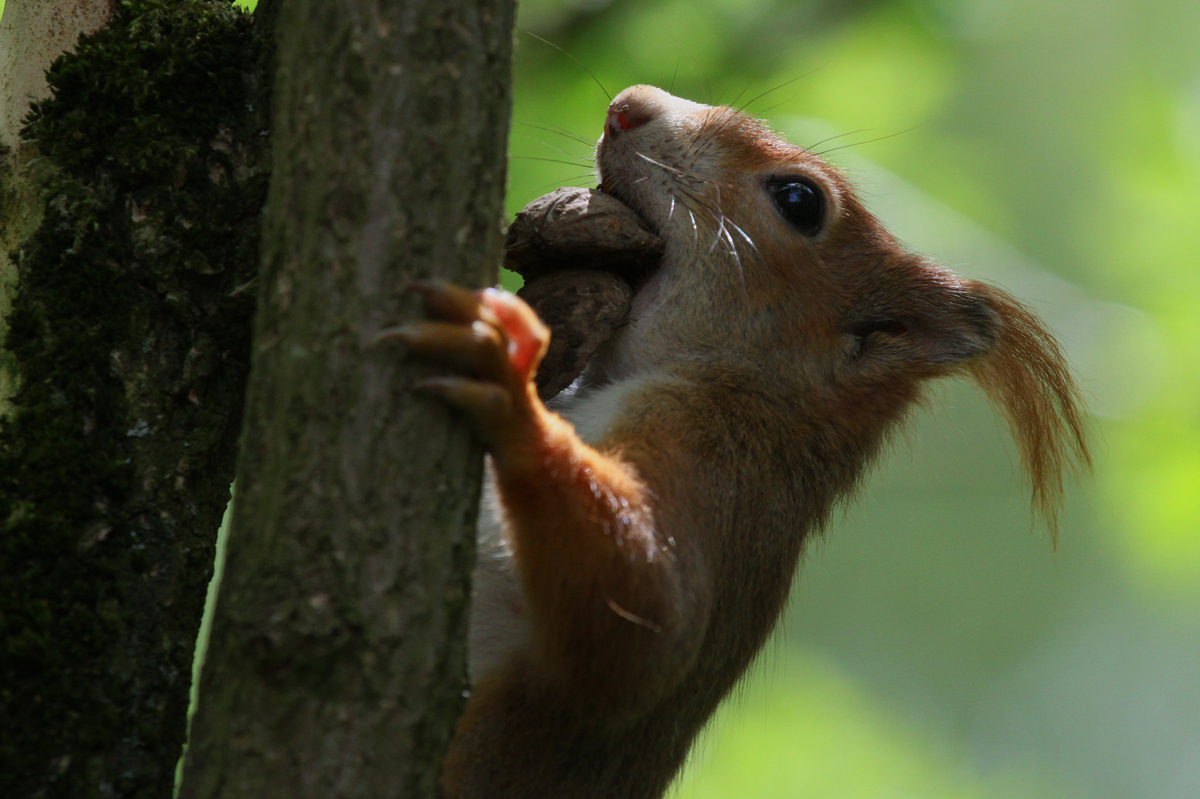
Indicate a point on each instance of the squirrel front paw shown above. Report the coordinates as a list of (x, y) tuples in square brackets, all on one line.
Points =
[(493, 334)]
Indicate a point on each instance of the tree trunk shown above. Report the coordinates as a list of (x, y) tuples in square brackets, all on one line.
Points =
[(129, 332), (336, 662)]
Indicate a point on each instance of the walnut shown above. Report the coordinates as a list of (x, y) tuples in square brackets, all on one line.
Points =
[(580, 229), (578, 250)]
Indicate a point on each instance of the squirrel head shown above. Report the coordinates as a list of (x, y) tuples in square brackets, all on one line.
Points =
[(772, 262)]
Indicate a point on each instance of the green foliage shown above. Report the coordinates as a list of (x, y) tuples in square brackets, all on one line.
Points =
[(956, 648), (803, 728), (938, 649)]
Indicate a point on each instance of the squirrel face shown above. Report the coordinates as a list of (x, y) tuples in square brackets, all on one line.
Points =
[(767, 229), (772, 259)]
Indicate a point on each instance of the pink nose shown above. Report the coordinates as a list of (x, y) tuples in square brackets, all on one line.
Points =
[(623, 119)]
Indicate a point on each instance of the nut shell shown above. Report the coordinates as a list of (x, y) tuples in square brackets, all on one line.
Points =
[(580, 229), (582, 308), (578, 250)]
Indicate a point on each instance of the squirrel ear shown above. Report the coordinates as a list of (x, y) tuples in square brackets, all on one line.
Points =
[(941, 322)]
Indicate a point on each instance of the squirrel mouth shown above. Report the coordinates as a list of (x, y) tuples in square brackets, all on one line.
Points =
[(584, 255), (577, 228), (645, 258)]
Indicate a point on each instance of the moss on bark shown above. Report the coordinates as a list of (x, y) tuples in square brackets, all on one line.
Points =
[(10, 211), (130, 331)]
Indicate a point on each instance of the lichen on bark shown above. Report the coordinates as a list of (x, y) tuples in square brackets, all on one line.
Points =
[(130, 330)]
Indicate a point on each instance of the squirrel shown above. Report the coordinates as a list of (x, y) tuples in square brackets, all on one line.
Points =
[(642, 537)]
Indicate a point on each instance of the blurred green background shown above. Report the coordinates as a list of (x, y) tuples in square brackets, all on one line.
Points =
[(937, 644)]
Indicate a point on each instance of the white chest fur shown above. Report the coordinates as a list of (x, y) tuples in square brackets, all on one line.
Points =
[(499, 627)]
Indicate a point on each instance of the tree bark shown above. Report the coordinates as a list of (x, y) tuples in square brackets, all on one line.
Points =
[(129, 332), (336, 662)]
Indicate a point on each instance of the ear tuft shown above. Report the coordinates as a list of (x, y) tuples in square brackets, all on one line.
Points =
[(1025, 375), (938, 320)]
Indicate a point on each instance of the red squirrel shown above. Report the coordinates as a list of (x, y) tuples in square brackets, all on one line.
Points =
[(644, 534)]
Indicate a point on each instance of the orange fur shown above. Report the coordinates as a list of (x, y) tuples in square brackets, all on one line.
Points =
[(746, 396), (1025, 377)]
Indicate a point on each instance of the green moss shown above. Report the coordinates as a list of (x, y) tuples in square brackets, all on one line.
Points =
[(144, 238), (10, 212)]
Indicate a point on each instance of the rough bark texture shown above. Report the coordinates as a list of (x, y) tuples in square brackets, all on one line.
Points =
[(130, 330), (336, 662)]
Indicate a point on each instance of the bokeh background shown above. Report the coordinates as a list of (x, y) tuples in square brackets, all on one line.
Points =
[(938, 645)]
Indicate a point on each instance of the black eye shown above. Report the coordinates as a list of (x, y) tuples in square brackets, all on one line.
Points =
[(800, 202)]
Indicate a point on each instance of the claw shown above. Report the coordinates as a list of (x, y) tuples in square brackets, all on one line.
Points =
[(399, 333), (489, 405), (451, 303), (527, 336), (478, 346), (497, 337)]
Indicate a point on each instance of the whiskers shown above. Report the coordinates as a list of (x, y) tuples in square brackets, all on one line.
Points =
[(583, 161), (746, 105), (859, 143), (686, 189), (584, 140), (573, 58)]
